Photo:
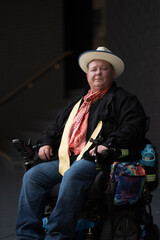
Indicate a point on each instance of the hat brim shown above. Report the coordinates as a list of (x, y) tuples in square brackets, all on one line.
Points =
[(88, 56)]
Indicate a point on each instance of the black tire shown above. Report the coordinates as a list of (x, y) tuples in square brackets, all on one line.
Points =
[(152, 232)]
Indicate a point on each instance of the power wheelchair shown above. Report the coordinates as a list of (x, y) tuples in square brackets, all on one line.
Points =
[(101, 217)]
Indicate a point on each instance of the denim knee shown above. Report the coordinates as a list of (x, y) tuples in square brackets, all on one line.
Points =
[(30, 175), (80, 173), (71, 177)]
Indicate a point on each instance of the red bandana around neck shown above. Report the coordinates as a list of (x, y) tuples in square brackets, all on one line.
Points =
[(78, 130)]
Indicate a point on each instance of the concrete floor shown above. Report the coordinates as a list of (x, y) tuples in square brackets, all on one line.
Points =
[(10, 184)]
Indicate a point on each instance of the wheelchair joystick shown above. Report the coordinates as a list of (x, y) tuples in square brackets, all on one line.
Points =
[(26, 152)]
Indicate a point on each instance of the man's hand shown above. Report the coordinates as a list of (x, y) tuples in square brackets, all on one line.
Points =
[(100, 149), (45, 152)]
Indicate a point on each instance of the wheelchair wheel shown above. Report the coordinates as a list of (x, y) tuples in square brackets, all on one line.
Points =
[(152, 232), (126, 229)]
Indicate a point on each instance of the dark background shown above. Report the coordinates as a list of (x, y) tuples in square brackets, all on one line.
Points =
[(32, 35)]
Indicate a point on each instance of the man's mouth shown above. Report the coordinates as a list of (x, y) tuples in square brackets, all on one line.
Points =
[(98, 79)]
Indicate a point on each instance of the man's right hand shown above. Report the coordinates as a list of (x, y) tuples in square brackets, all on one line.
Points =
[(45, 152)]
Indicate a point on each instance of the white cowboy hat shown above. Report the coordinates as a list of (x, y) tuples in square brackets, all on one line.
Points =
[(101, 53)]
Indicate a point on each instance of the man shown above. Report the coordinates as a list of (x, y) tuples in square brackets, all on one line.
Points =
[(103, 109)]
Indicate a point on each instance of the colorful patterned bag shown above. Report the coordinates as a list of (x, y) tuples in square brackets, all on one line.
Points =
[(130, 178)]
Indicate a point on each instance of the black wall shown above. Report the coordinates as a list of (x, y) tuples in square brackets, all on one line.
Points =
[(78, 37), (133, 32), (32, 35)]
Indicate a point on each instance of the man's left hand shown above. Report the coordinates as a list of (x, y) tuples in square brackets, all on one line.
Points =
[(100, 149)]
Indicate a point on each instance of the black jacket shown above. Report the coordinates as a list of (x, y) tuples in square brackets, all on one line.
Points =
[(123, 117)]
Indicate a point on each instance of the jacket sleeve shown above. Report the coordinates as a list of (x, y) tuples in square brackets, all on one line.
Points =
[(129, 124)]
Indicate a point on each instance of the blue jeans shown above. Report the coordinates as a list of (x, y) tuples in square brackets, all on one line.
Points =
[(36, 185)]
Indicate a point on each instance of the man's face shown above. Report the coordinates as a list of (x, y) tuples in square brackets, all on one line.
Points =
[(100, 74)]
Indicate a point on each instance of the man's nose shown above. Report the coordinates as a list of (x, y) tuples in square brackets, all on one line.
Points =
[(98, 71)]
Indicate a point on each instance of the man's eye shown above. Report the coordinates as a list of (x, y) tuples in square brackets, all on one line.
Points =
[(104, 68)]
